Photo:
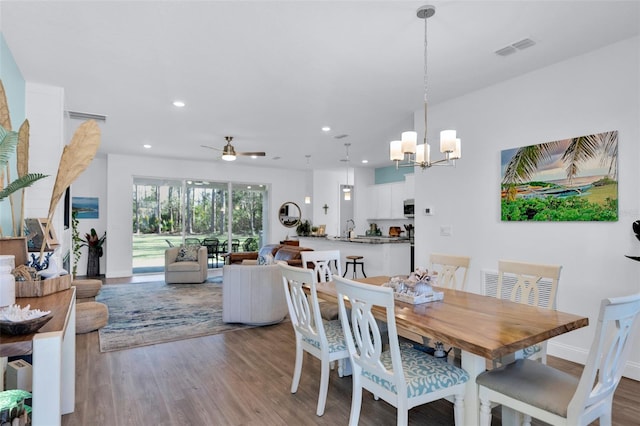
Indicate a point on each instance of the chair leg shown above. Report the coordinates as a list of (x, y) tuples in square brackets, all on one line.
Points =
[(402, 412), (297, 369), (485, 413), (324, 387), (458, 410), (356, 401)]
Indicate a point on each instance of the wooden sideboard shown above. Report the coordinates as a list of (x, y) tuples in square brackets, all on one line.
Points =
[(53, 350)]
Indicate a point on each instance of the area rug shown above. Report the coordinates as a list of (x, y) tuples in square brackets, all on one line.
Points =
[(148, 313)]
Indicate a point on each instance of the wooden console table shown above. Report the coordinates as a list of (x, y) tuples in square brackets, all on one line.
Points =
[(53, 350)]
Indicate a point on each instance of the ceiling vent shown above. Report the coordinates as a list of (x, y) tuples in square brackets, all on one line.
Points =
[(341, 136), (505, 51), (75, 115), (514, 47)]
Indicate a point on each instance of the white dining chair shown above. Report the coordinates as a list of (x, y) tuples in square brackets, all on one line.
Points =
[(322, 339), (449, 269), (322, 261), (401, 375), (531, 284), (559, 398)]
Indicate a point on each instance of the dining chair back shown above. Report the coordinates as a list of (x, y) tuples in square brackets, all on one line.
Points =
[(322, 260), (212, 249), (250, 244), (531, 284), (192, 241), (449, 268), (401, 375), (322, 339), (558, 398)]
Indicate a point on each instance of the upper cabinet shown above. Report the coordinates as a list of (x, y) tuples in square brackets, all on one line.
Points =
[(386, 201)]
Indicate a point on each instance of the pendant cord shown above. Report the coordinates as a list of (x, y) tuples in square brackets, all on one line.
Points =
[(425, 80)]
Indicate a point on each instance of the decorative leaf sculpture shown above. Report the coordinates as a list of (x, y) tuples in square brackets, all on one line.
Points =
[(22, 157), (75, 158), (5, 118)]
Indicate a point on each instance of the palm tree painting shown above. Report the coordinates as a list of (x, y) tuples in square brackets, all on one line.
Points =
[(566, 180)]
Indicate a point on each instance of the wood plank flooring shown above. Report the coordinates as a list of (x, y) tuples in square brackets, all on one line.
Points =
[(242, 377)]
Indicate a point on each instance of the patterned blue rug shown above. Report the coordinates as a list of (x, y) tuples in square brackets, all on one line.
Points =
[(148, 313)]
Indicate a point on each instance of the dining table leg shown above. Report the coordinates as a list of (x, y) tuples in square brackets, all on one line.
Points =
[(474, 365)]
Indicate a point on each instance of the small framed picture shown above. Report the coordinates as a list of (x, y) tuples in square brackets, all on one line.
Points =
[(36, 233)]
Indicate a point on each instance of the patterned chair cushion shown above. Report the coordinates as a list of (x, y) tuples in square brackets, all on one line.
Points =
[(335, 337), (531, 350), (423, 373)]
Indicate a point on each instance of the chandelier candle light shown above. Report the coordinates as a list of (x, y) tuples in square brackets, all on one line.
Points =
[(407, 149)]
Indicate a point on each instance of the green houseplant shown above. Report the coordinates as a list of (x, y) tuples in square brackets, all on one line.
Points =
[(94, 243), (304, 228)]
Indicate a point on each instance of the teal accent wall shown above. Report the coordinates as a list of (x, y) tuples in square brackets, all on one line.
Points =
[(14, 87), (391, 174)]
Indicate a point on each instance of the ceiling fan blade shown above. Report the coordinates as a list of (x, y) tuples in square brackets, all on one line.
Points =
[(210, 147), (252, 154)]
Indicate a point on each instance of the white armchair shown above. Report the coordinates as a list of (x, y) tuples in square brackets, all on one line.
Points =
[(185, 271), (253, 294)]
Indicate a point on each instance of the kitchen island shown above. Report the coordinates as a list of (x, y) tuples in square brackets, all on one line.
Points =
[(382, 255)]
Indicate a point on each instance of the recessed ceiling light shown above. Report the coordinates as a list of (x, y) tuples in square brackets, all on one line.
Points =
[(365, 161), (326, 128), (147, 146), (178, 104)]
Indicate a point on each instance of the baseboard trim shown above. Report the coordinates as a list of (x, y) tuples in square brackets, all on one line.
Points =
[(579, 355)]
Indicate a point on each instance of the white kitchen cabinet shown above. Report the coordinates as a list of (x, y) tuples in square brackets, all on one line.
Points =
[(385, 201)]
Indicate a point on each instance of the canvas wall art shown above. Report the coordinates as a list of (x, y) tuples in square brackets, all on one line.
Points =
[(566, 180), (85, 207)]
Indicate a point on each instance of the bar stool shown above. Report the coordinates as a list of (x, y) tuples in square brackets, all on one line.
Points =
[(353, 260)]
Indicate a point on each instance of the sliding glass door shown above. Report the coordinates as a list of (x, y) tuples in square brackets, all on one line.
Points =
[(168, 212)]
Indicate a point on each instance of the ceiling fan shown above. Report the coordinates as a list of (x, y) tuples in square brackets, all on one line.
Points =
[(229, 153)]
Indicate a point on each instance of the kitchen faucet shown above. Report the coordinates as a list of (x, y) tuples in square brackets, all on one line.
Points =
[(350, 230)]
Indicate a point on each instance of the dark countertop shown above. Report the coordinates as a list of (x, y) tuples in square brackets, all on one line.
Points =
[(367, 240)]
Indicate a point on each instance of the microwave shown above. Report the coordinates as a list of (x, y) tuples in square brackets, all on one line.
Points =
[(409, 208)]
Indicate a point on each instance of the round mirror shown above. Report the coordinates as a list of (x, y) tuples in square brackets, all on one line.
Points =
[(289, 214)]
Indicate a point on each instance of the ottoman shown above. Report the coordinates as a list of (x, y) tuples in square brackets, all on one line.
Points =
[(86, 289), (91, 316)]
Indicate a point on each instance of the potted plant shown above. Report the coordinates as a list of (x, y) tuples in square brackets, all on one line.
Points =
[(304, 228), (94, 243)]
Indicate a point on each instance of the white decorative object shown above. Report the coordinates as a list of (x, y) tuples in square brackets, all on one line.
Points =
[(7, 280), (15, 313), (414, 289)]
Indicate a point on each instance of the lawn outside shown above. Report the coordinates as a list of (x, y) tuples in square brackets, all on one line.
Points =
[(148, 249)]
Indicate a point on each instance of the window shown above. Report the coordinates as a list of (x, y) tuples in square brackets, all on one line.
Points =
[(166, 211)]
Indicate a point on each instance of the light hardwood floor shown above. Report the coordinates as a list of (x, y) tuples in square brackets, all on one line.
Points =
[(242, 378)]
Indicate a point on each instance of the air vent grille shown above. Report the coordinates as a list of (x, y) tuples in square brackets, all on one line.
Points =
[(505, 51), (490, 287), (341, 136), (524, 43), (515, 46), (86, 116)]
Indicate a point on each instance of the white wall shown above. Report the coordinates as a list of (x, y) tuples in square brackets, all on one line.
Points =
[(92, 183), (592, 93), (44, 107), (284, 186)]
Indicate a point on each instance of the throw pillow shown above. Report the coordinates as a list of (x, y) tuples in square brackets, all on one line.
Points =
[(188, 253), (266, 260)]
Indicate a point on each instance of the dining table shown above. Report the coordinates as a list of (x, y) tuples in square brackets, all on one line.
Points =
[(481, 327)]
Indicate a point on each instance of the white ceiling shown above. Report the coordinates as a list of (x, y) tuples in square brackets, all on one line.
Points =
[(272, 73)]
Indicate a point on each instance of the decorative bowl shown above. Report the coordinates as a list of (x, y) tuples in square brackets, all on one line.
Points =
[(24, 327)]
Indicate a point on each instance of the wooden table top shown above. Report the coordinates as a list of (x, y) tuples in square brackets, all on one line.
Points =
[(482, 325), (58, 303)]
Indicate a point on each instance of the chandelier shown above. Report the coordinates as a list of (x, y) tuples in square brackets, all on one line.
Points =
[(407, 152)]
